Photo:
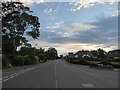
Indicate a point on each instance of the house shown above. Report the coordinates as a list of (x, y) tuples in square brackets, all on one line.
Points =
[(115, 54), (83, 53), (70, 54)]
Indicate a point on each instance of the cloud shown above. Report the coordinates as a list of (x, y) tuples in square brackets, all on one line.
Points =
[(31, 1), (89, 3), (57, 25), (75, 26), (49, 11), (102, 31), (27, 2), (70, 26)]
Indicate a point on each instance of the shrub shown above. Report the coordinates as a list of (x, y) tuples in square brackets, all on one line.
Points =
[(5, 62), (105, 66), (8, 65), (83, 61), (116, 64), (11, 57), (105, 62), (27, 60), (40, 61), (34, 59), (93, 65), (42, 58), (18, 60)]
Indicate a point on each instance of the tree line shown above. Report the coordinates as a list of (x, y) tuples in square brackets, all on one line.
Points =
[(28, 56)]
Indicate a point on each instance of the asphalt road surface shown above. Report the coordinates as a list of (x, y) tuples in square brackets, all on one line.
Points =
[(60, 74)]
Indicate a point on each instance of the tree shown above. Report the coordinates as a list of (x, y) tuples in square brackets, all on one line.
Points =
[(101, 53), (51, 53), (17, 22), (26, 51), (95, 53), (42, 57)]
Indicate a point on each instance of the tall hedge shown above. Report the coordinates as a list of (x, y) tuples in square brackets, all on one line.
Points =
[(5, 62), (34, 59), (18, 60), (27, 60)]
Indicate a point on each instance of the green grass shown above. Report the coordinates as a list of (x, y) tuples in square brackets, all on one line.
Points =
[(93, 62), (116, 63)]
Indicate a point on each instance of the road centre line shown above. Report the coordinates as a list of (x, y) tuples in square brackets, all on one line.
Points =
[(56, 82)]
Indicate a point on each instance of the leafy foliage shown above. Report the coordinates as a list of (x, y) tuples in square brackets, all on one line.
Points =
[(42, 57), (17, 22), (34, 59), (51, 53), (27, 60), (18, 60), (5, 62)]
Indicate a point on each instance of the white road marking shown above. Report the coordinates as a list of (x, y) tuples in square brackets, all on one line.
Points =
[(12, 77), (56, 82), (16, 74), (0, 80), (5, 79), (87, 85), (55, 71)]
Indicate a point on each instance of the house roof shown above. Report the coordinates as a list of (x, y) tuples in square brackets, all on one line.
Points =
[(83, 52), (114, 51)]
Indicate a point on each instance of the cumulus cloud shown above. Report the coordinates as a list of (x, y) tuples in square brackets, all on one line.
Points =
[(75, 26), (57, 25), (27, 1), (89, 3), (49, 11)]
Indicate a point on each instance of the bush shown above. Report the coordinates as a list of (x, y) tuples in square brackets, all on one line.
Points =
[(105, 66), (11, 57), (42, 58), (93, 65), (5, 62), (27, 60), (8, 65), (105, 62), (116, 64), (18, 60), (83, 61), (34, 59)]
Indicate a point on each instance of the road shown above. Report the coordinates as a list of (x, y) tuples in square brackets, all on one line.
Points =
[(60, 74)]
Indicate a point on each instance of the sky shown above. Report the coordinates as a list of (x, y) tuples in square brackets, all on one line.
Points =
[(74, 26)]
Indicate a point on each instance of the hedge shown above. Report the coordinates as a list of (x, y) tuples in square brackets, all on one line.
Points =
[(18, 60), (27, 60), (5, 62)]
